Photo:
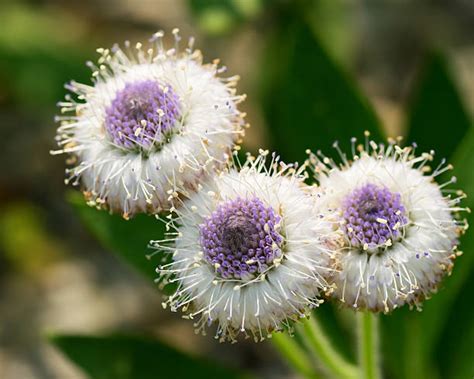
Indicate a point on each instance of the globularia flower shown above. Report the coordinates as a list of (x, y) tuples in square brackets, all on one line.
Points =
[(244, 255), (154, 120), (398, 228)]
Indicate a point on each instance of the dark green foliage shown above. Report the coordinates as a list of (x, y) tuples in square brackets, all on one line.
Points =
[(426, 335), (429, 334), (455, 334), (308, 101), (437, 118), (127, 238), (217, 17), (119, 357)]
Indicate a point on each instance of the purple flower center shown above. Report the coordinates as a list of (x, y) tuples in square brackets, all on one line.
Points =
[(142, 115), (373, 215), (240, 239)]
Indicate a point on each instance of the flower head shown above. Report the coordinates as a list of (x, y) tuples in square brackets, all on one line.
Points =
[(243, 255), (398, 229), (155, 120)]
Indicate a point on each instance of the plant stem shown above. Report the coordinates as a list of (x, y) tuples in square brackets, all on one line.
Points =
[(294, 354), (322, 348), (368, 345)]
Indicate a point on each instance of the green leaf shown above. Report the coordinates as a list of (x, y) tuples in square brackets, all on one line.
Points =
[(411, 334), (217, 17), (127, 239), (308, 101), (453, 309), (455, 347), (121, 357), (437, 311), (437, 118)]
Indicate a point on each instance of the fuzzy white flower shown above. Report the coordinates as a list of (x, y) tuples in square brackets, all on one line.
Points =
[(397, 226), (244, 255), (154, 120)]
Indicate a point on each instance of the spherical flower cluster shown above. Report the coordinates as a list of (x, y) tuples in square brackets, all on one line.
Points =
[(243, 255), (155, 120), (251, 247), (398, 230)]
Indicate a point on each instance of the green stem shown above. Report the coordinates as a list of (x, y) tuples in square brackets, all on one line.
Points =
[(294, 354), (368, 345), (324, 351)]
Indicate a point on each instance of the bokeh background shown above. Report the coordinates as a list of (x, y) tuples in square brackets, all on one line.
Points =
[(314, 71)]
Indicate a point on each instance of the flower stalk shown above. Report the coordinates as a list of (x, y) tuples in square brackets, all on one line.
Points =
[(326, 354), (368, 345), (296, 357)]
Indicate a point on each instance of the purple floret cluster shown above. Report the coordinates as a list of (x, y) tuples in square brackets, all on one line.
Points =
[(373, 214), (142, 114), (240, 238)]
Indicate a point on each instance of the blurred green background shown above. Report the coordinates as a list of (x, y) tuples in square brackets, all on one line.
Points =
[(314, 72)]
